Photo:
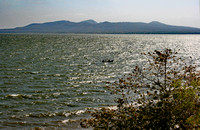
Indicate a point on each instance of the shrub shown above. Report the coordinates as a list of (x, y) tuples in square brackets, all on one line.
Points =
[(162, 94)]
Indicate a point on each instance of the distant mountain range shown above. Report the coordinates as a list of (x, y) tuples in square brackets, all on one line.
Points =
[(91, 26)]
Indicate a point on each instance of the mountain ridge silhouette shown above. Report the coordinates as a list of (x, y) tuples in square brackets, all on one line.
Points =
[(90, 26)]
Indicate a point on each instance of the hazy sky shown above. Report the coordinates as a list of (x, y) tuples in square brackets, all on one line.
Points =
[(15, 13)]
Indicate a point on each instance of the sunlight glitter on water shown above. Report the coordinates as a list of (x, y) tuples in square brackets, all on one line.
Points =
[(48, 76)]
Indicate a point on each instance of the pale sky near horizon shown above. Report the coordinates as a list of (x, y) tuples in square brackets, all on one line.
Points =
[(17, 13)]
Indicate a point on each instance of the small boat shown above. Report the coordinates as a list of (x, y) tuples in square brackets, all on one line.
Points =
[(107, 60)]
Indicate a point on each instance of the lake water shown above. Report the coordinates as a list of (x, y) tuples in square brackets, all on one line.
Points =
[(45, 80)]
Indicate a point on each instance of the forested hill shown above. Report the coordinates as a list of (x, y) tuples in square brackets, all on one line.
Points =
[(91, 26)]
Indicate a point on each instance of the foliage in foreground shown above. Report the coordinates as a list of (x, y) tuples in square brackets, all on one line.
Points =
[(163, 94)]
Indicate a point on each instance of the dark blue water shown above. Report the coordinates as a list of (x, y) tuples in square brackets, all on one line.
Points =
[(45, 80)]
